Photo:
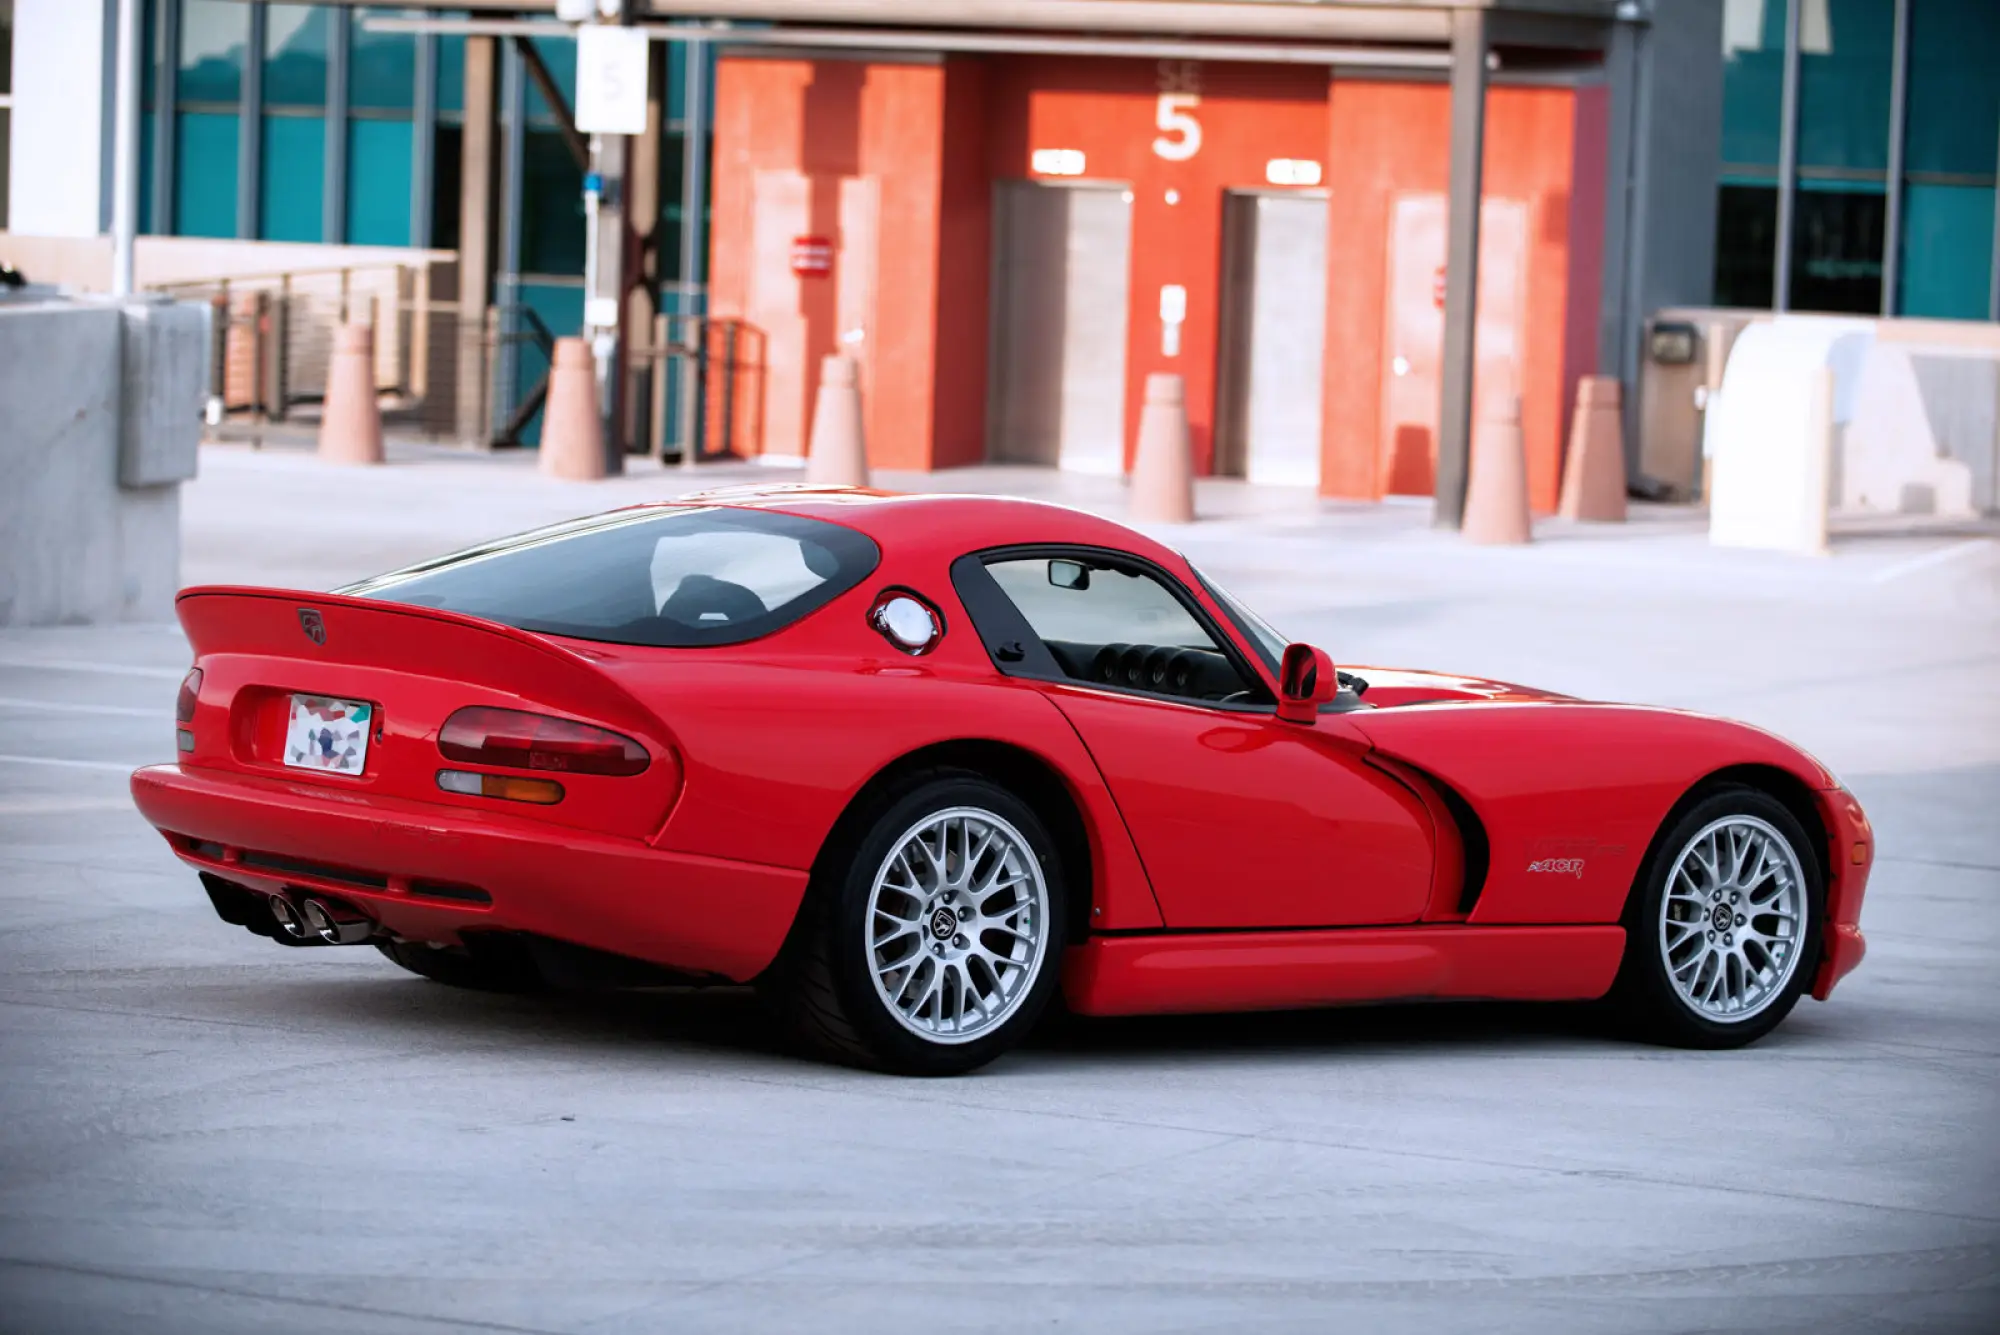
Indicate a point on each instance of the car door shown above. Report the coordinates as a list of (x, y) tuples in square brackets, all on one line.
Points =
[(1241, 820)]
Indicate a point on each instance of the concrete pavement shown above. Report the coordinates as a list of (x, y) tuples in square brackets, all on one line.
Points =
[(202, 1132)]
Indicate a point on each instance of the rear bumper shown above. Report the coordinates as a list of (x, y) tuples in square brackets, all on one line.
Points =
[(423, 872)]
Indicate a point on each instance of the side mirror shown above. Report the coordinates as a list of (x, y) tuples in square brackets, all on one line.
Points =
[(1069, 574), (1306, 680)]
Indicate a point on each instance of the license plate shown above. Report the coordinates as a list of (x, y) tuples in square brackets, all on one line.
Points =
[(328, 735)]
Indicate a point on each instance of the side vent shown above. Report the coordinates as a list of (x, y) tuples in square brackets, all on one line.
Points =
[(1472, 831), (1474, 854)]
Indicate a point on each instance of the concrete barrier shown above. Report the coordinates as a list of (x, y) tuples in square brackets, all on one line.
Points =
[(836, 451), (100, 421), (1496, 492), (1593, 484), (350, 427), (572, 425), (1163, 466)]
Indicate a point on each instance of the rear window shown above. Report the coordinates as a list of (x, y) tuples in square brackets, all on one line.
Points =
[(681, 577)]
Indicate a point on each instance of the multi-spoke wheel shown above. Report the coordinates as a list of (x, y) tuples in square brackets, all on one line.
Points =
[(932, 943), (1722, 937)]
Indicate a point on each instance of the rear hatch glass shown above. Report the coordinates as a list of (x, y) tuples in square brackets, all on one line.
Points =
[(683, 576)]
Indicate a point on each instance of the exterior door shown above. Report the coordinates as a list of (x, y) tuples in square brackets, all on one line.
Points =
[(1413, 335), (1241, 820), (1060, 280), (1271, 353)]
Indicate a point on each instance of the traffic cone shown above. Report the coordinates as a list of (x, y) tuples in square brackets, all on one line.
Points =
[(836, 454), (350, 424), (1594, 474), (1496, 495), (1163, 469), (572, 425)]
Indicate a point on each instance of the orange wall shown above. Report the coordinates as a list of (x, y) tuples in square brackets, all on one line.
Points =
[(1248, 114), (834, 121), (1545, 147)]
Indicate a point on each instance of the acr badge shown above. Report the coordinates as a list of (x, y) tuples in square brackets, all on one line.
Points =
[(313, 624)]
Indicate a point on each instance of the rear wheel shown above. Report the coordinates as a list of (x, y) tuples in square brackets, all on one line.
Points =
[(1722, 936), (932, 943), (481, 965)]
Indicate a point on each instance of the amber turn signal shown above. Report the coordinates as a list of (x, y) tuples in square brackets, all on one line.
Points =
[(542, 792), (1859, 855)]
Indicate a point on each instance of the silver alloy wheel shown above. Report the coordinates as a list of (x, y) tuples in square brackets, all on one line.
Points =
[(1732, 923), (957, 924)]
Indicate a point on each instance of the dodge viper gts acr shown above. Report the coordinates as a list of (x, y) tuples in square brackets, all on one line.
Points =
[(914, 764)]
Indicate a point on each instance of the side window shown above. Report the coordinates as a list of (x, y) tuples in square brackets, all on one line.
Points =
[(1114, 626)]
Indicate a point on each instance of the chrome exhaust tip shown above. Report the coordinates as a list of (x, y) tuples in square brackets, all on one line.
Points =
[(287, 918), (337, 927)]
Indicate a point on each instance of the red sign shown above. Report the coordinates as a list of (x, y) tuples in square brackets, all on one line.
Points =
[(812, 256)]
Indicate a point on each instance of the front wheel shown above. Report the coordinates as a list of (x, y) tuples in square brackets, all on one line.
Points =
[(1724, 930), (933, 942)]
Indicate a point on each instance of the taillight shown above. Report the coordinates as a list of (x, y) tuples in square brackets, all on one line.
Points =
[(190, 692), (518, 740)]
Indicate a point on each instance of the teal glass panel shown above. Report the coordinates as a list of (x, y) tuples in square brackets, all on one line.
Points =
[(292, 184), (552, 228), (1844, 72), (214, 35), (1753, 81), (205, 152), (559, 54), (450, 75), (1746, 245), (1954, 110), (295, 44), (1947, 251), (382, 65), (560, 307), (379, 162)]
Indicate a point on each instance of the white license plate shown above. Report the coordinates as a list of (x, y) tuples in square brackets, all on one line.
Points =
[(327, 734)]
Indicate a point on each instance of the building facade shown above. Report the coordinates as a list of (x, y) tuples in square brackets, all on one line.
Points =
[(1011, 232)]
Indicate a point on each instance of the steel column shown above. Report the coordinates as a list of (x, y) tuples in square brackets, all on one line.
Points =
[(423, 142), (1788, 162), (166, 91), (250, 130), (507, 280), (1461, 296), (333, 191), (477, 158), (1899, 96), (125, 150)]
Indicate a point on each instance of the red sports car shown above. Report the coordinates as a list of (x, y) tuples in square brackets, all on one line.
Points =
[(913, 764)]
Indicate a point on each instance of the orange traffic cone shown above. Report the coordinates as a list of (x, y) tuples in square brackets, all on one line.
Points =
[(350, 426), (572, 426), (836, 454), (1594, 473), (1496, 495), (1163, 469)]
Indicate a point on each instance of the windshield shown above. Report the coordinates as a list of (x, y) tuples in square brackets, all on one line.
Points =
[(1270, 645), (681, 576)]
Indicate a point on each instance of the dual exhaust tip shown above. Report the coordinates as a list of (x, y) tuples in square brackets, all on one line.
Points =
[(335, 924)]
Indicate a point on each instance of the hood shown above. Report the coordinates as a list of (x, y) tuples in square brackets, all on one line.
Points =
[(1390, 687)]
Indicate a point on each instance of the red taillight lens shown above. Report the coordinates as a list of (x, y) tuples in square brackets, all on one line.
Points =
[(190, 692), (509, 737)]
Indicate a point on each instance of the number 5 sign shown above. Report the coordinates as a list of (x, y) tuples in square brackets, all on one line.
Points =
[(1180, 94), (610, 79)]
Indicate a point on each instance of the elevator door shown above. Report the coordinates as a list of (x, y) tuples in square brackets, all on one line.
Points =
[(1272, 345), (1061, 259)]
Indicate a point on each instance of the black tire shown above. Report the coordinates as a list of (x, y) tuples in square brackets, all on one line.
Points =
[(481, 966), (823, 986), (1644, 994)]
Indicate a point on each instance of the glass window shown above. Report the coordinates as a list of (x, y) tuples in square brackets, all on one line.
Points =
[(214, 34), (382, 65), (1837, 249), (1114, 626), (379, 163), (447, 155), (1845, 50), (1746, 246), (450, 75), (1947, 251), (205, 152), (677, 577), (6, 50), (552, 225), (559, 54), (1954, 107), (295, 43), (292, 186), (1753, 81)]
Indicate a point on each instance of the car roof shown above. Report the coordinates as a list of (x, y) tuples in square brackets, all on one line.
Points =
[(944, 525)]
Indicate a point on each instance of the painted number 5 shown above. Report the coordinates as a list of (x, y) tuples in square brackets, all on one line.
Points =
[(1180, 137)]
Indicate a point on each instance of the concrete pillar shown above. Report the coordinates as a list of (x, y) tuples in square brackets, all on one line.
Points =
[(1163, 463), (1496, 500), (572, 427), (1461, 295), (836, 454), (479, 177), (350, 429)]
